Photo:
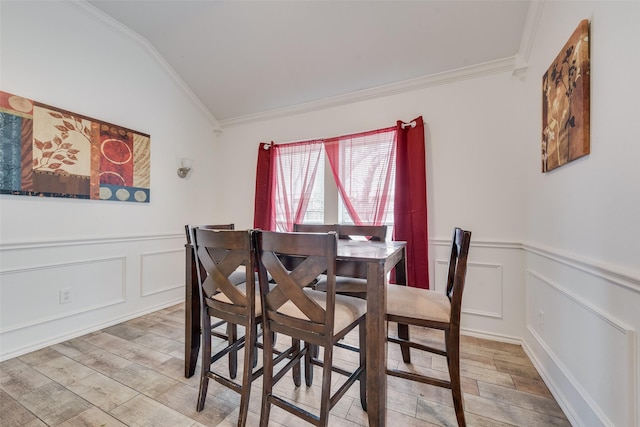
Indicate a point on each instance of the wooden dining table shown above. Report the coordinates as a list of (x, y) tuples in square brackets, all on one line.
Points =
[(364, 259)]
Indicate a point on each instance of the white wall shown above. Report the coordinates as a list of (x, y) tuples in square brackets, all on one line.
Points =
[(582, 235), (119, 259)]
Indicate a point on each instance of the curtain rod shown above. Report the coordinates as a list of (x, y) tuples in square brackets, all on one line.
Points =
[(404, 125)]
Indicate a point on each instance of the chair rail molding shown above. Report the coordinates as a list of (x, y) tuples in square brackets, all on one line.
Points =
[(97, 240), (612, 274)]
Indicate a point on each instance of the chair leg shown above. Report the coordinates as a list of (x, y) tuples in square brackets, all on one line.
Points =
[(453, 359), (250, 353), (326, 385), (363, 362), (206, 363), (308, 366), (255, 339), (403, 333), (297, 377), (267, 377), (232, 333)]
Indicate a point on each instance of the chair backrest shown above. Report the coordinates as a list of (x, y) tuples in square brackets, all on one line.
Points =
[(189, 227), (219, 253), (457, 271), (315, 228), (293, 260), (376, 233)]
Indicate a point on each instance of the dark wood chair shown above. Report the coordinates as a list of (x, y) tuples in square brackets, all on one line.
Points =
[(192, 325), (236, 278), (315, 228), (355, 286), (376, 233), (320, 319), (435, 310), (220, 253)]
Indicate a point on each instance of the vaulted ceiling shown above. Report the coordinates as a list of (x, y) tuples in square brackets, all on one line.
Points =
[(245, 58)]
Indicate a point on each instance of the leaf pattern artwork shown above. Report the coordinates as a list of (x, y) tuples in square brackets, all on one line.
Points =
[(58, 151), (49, 152), (566, 99)]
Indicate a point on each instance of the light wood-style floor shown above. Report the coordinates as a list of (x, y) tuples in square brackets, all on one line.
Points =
[(131, 374)]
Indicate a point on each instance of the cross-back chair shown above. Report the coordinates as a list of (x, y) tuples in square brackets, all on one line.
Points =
[(320, 319), (355, 286), (315, 228), (435, 310), (220, 253), (237, 277), (193, 327), (375, 233)]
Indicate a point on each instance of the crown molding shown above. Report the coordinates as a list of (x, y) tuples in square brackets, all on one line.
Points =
[(516, 64), (447, 77), (531, 26), (94, 12)]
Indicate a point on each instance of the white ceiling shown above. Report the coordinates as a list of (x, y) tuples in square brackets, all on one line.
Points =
[(243, 58)]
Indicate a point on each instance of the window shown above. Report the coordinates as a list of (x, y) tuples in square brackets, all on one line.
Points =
[(295, 168), (408, 203), (368, 172), (316, 209), (353, 180)]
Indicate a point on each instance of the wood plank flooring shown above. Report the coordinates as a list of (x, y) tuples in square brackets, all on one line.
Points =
[(131, 374)]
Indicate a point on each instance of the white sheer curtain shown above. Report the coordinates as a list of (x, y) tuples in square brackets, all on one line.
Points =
[(363, 167), (295, 167)]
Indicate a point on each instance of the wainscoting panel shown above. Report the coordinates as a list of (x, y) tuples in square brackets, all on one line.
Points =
[(33, 295), (594, 350), (161, 271), (493, 302), (483, 288), (104, 281)]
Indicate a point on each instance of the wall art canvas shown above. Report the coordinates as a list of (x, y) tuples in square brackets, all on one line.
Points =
[(49, 152), (565, 102)]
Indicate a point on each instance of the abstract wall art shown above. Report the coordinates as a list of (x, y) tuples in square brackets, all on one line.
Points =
[(566, 102), (49, 152)]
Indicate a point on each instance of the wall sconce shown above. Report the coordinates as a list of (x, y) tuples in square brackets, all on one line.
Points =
[(185, 167)]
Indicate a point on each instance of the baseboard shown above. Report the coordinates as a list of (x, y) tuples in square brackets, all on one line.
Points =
[(576, 389), (491, 336)]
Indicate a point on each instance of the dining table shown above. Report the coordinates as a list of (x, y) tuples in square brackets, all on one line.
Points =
[(355, 258)]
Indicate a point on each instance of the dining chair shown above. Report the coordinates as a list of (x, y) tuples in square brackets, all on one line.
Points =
[(319, 319), (434, 310), (355, 286), (375, 233), (314, 228), (220, 253), (236, 278)]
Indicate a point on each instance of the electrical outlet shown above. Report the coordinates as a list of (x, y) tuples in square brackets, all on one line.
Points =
[(65, 296), (541, 320)]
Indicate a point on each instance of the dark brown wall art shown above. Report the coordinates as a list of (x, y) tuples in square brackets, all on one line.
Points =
[(565, 102), (45, 151)]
